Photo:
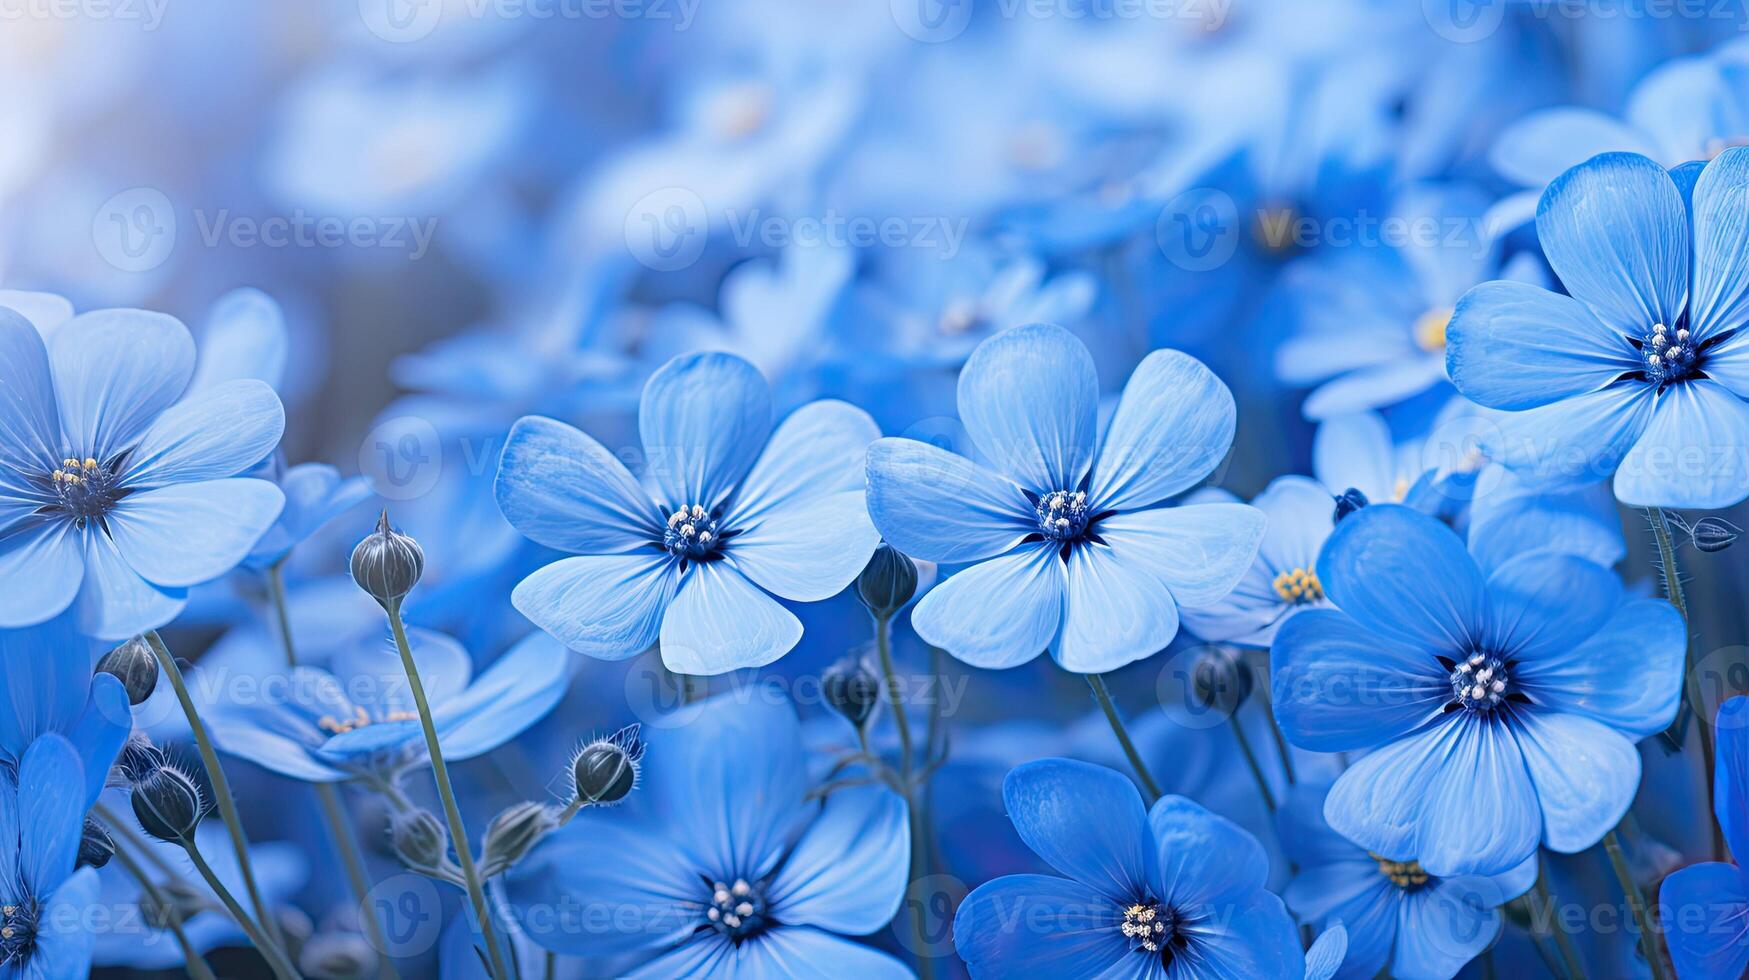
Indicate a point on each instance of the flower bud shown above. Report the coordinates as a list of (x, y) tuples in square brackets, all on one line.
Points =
[(852, 689), (887, 582), (167, 803), (1220, 680), (605, 771), (1347, 502), (134, 664), (337, 956), (387, 564), (513, 831), (420, 840), (138, 757), (95, 846), (1711, 534)]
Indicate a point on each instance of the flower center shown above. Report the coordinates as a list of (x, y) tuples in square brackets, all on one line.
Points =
[(1430, 329), (1150, 928), (359, 719), (736, 910), (692, 534), (84, 489), (1299, 587), (1062, 515), (1406, 875), (1669, 355), (17, 932), (1480, 682)]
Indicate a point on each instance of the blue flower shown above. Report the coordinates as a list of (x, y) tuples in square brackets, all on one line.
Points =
[(47, 687), (358, 719), (1499, 712), (720, 865), (1399, 917), (116, 493), (1176, 891), (1283, 581), (1642, 370), (1706, 905), (735, 516), (1070, 549), (44, 903)]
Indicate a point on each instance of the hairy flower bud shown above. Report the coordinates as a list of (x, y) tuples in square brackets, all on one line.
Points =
[(887, 582), (134, 664), (167, 803), (138, 757), (852, 689), (1349, 501), (605, 771), (95, 845), (1711, 534), (337, 956), (387, 564), (513, 831), (420, 840)]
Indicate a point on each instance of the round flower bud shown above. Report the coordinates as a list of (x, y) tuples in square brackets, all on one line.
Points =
[(605, 771), (138, 757), (1220, 679), (887, 582), (852, 689), (387, 564), (167, 803), (337, 956), (134, 664), (420, 840), (515, 830), (1349, 501), (1712, 534), (95, 846)]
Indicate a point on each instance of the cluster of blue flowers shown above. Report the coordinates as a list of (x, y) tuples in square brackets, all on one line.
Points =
[(598, 497)]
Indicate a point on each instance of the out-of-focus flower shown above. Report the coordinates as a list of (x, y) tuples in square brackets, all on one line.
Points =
[(44, 901), (1705, 904)]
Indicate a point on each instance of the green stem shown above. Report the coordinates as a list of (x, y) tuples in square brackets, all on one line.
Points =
[(1569, 955), (919, 931), (1251, 760), (215, 774), (1287, 759), (1672, 577), (1097, 683), (457, 831), (193, 961), (276, 959), (1636, 902), (884, 646)]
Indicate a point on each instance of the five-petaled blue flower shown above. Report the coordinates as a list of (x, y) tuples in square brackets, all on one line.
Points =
[(1175, 891), (735, 515), (45, 905), (1642, 371), (1498, 712), (720, 864), (1706, 906), (116, 492), (1073, 549)]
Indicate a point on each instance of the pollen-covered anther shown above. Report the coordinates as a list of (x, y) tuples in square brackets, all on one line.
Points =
[(691, 533), (737, 910), (1062, 514), (1669, 355), (1407, 875), (1146, 927), (1299, 586), (1479, 682)]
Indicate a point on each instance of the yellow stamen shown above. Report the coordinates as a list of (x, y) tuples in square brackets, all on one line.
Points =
[(1430, 329), (1299, 585)]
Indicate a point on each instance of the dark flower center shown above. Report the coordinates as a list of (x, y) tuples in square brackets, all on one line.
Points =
[(1669, 355), (1406, 875), (1152, 928), (1062, 515), (736, 910), (693, 534), (1480, 683), (84, 490), (18, 932)]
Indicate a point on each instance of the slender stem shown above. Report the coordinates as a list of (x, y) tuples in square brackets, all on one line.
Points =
[(193, 961), (552, 964), (215, 774), (884, 646), (1672, 576), (1637, 902), (1097, 683), (1569, 955), (919, 931), (270, 951), (457, 831), (1281, 749), (1238, 727)]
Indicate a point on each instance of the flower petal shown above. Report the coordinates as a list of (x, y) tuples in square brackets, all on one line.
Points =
[(1537, 147), (1173, 426), (562, 489), (1695, 452), (942, 507), (1029, 398), (115, 371), (703, 419), (520, 688), (1374, 387), (1117, 612), (1084, 820), (849, 871), (101, 730), (193, 532), (282, 733), (51, 808), (1542, 605), (808, 549), (1615, 230), (1405, 576), (1256, 939), (218, 432), (1200, 551), (64, 938), (245, 337), (1337, 686), (1039, 925), (1585, 775), (114, 602), (1514, 346), (1445, 925), (1721, 254), (42, 568), (1573, 442), (1627, 675), (802, 951), (1204, 858), (1705, 909), (720, 621), (1731, 775), (30, 425), (998, 613), (609, 607), (820, 449)]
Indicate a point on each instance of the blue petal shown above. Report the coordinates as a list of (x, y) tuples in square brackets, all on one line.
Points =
[(1445, 925), (706, 954), (564, 490), (45, 674), (609, 607), (1695, 452), (371, 672), (1628, 675), (1337, 686), (519, 689), (1573, 442), (1326, 955), (1514, 346), (807, 550), (942, 507), (1204, 858), (1029, 398), (65, 938), (101, 730), (1585, 775), (821, 449), (1583, 523), (10, 830), (1173, 426), (51, 811), (1299, 516), (998, 613), (1355, 450), (1405, 576), (720, 622), (1256, 939), (1117, 611), (1542, 605), (1039, 926), (1538, 147), (30, 426), (1374, 387), (1199, 551), (42, 569), (1731, 773), (1086, 821), (45, 311), (1355, 894), (849, 871), (281, 733), (219, 432), (114, 601), (115, 371), (244, 337), (802, 952), (1721, 254), (1615, 230), (190, 533), (1455, 796), (703, 419), (1704, 908)]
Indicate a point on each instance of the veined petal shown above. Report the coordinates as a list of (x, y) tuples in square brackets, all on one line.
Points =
[(1355, 450), (1706, 920), (1721, 253), (519, 689), (1086, 821), (42, 568), (45, 311), (30, 425), (1337, 686), (101, 730), (1373, 387), (998, 613), (1627, 675), (51, 805), (942, 507), (1116, 612), (1029, 398), (1255, 939), (1204, 858), (564, 490), (609, 607), (808, 549), (720, 621), (1038, 925), (1573, 442), (1585, 775), (1694, 453), (1445, 925), (1731, 774), (114, 602), (803, 951), (115, 371), (1615, 230), (64, 941), (244, 337), (1542, 605), (703, 418), (1173, 426), (849, 871), (282, 734), (1514, 346), (190, 533), (217, 432), (1405, 576), (1199, 551), (819, 450)]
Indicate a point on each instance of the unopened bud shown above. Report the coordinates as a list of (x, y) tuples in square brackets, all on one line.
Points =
[(1220, 680), (1347, 502), (337, 956), (605, 771), (852, 689), (134, 664), (387, 564), (515, 830), (167, 803), (887, 582), (420, 840), (138, 757), (95, 845), (1711, 534)]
